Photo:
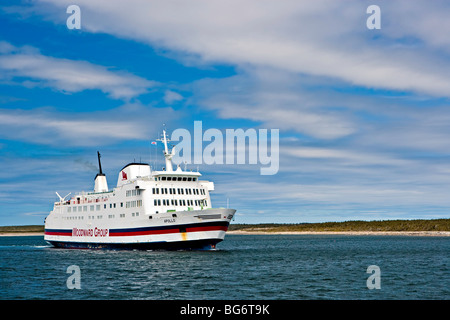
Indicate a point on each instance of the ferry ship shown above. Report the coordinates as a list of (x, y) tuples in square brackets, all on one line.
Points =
[(167, 209)]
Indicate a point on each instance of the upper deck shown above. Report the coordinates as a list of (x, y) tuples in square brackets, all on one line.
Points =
[(138, 186)]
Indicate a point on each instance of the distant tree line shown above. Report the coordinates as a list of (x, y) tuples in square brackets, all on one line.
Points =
[(381, 225), (20, 229)]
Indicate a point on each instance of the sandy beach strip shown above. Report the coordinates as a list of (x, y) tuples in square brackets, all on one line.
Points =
[(261, 232), (24, 234), (350, 233)]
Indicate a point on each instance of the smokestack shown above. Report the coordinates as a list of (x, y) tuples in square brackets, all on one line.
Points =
[(99, 163), (101, 185)]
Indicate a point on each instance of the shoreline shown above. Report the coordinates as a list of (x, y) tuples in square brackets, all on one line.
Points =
[(261, 232), (349, 233), (16, 234)]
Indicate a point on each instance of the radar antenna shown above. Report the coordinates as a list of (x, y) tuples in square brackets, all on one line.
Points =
[(61, 199)]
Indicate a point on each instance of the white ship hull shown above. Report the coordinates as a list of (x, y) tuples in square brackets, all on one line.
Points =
[(199, 229)]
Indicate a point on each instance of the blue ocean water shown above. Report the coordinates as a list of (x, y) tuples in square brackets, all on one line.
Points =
[(244, 267)]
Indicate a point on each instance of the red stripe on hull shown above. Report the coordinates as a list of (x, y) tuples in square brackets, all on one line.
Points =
[(143, 233), (58, 234), (211, 228), (177, 230)]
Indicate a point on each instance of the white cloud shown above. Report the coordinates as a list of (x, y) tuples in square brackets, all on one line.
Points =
[(321, 38), (276, 100), (171, 97), (47, 126), (70, 128), (423, 130), (345, 156), (346, 197), (67, 75), (272, 42)]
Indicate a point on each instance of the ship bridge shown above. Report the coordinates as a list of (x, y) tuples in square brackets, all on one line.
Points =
[(133, 171), (177, 175)]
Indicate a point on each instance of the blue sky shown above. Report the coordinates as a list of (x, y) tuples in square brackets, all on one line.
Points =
[(364, 115)]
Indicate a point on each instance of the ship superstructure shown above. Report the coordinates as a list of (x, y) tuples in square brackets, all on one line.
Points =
[(169, 209)]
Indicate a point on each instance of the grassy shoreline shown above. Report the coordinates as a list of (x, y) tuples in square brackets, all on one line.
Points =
[(429, 227), (378, 226), (32, 229)]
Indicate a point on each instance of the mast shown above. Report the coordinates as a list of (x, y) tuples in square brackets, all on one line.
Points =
[(168, 155)]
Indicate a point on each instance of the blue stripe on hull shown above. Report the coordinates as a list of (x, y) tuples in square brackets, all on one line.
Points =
[(204, 244)]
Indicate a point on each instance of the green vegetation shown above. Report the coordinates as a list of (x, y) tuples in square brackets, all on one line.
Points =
[(22, 229), (383, 225), (379, 225)]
